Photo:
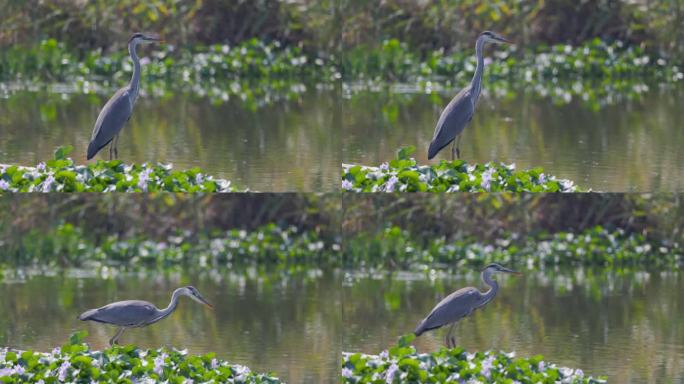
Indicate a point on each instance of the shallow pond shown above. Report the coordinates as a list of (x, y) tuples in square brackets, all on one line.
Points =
[(279, 147), (288, 325), (628, 326), (630, 144)]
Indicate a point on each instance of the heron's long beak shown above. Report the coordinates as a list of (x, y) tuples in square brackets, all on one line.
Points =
[(511, 271), (203, 301), (505, 40)]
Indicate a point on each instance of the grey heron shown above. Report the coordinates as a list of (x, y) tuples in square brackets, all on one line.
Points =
[(460, 110), (138, 313), (461, 304), (119, 108)]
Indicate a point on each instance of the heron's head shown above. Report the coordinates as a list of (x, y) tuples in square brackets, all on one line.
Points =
[(494, 267), (194, 294), (142, 38), (491, 37)]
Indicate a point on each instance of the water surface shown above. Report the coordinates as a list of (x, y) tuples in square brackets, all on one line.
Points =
[(288, 325), (281, 146), (628, 326), (630, 144)]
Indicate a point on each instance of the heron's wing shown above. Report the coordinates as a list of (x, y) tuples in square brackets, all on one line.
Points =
[(110, 121), (127, 313), (452, 308), (452, 121)]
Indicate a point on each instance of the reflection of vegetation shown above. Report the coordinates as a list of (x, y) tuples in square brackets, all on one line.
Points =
[(76, 362), (252, 71), (270, 245), (401, 363), (405, 175), (395, 248), (62, 175)]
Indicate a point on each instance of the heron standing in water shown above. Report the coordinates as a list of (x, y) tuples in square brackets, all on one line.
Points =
[(461, 304), (138, 313), (460, 110), (119, 108)]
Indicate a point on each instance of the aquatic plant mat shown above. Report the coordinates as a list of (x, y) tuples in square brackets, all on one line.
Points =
[(403, 364), (76, 362), (61, 174), (404, 174)]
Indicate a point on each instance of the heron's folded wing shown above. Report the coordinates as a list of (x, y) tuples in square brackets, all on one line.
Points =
[(453, 120), (123, 313), (452, 308), (112, 118)]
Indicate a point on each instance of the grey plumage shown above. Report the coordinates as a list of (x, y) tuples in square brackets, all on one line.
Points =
[(461, 108), (137, 313), (117, 111), (461, 303)]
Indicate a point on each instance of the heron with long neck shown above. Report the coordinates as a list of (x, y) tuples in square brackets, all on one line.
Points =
[(137, 313), (461, 108), (461, 304), (119, 108)]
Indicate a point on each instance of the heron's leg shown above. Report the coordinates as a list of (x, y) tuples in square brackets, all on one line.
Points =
[(449, 339), (111, 148), (116, 146), (115, 338), (453, 147), (458, 144)]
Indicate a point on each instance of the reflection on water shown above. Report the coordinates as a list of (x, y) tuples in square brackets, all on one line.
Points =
[(284, 146), (631, 145), (288, 325), (626, 325)]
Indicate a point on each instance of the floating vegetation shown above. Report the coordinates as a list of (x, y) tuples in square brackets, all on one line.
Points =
[(403, 174), (76, 362), (597, 246), (61, 174), (403, 364), (68, 246)]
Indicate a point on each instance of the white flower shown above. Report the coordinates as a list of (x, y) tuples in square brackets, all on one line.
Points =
[(63, 370), (487, 366), (542, 366), (41, 166), (384, 167), (384, 354), (391, 371), (487, 179), (347, 373), (214, 363), (347, 185), (199, 178), (579, 372), (46, 186), (4, 185), (389, 187), (6, 372), (159, 363), (143, 178), (542, 178)]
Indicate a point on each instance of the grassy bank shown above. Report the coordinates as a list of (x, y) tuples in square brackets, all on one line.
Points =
[(270, 245), (76, 362), (404, 174), (402, 363), (61, 174), (397, 249)]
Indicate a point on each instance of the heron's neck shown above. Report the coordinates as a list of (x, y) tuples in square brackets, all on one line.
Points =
[(493, 286), (477, 78), (172, 306), (134, 85)]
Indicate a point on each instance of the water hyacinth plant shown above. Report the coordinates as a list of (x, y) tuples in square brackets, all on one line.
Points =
[(403, 364), (403, 174), (68, 246), (593, 247), (61, 174), (76, 362)]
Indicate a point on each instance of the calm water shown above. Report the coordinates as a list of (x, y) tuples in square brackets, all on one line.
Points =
[(284, 146), (627, 146), (290, 326), (628, 326)]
